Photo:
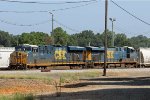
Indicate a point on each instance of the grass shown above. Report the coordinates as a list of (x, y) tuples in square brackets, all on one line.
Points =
[(55, 79), (71, 77), (17, 96), (50, 77), (19, 76)]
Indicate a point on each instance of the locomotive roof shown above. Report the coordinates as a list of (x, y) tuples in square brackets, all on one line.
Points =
[(76, 48), (27, 45), (129, 47), (94, 48)]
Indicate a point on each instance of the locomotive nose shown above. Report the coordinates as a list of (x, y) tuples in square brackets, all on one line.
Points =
[(18, 60)]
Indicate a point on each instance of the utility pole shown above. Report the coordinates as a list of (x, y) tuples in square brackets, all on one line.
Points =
[(113, 38), (52, 33), (105, 55)]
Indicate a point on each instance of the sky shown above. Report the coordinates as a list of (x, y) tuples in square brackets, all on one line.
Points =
[(75, 20)]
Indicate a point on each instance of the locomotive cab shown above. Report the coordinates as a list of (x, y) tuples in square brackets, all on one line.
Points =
[(18, 60), (131, 53)]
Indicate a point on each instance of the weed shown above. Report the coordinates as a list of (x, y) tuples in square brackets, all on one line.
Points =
[(17, 96)]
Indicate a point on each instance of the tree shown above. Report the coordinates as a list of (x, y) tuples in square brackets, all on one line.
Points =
[(140, 41), (98, 41), (84, 38), (109, 38), (72, 40), (36, 38), (121, 40), (79, 39), (48, 40), (5, 39), (60, 36), (14, 40)]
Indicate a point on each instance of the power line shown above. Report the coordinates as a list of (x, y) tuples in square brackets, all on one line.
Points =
[(36, 24), (34, 2), (130, 13), (73, 7), (16, 24), (66, 26), (43, 11), (7, 11)]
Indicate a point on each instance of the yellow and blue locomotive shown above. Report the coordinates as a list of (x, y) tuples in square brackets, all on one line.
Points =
[(31, 56)]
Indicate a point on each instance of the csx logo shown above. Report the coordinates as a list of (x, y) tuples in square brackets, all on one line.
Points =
[(110, 54), (60, 54)]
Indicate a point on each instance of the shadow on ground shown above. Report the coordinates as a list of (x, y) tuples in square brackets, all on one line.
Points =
[(104, 94), (107, 94), (138, 81)]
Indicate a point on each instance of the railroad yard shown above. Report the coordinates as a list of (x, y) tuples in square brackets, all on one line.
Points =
[(74, 50), (88, 84)]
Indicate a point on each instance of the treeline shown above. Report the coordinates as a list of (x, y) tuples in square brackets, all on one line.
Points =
[(61, 37)]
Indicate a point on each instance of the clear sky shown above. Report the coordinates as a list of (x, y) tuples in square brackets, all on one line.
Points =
[(90, 17)]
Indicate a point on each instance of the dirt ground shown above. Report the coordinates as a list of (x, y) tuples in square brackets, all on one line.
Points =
[(122, 84), (27, 86), (137, 88)]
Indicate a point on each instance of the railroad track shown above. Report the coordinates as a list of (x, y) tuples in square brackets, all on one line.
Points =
[(111, 66)]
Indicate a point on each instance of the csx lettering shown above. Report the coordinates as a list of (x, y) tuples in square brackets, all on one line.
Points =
[(110, 54), (60, 54)]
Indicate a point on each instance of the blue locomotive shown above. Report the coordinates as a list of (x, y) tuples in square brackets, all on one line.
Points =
[(31, 56)]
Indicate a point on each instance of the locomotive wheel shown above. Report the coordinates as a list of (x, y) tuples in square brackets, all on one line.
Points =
[(43, 67), (80, 66)]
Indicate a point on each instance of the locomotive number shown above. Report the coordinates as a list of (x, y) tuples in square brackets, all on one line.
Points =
[(60, 54), (110, 54)]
